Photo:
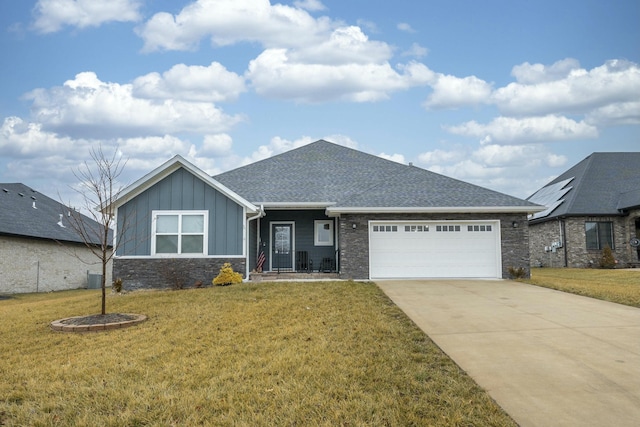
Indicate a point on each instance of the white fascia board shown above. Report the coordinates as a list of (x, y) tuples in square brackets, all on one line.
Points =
[(166, 169), (296, 205), (334, 211)]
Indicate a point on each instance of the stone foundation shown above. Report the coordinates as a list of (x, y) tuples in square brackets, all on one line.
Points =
[(171, 273)]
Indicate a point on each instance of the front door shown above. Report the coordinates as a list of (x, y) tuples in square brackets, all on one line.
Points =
[(282, 246)]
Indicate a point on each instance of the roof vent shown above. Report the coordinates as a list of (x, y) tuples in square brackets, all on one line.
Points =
[(34, 205), (33, 197), (21, 194), (5, 190), (60, 222)]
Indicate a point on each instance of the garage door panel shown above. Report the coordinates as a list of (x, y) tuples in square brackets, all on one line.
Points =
[(458, 252)]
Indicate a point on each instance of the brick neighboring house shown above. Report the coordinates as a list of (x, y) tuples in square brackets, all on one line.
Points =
[(321, 207), (593, 204), (39, 251)]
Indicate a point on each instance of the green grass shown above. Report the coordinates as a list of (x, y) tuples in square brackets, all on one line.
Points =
[(620, 286), (292, 354)]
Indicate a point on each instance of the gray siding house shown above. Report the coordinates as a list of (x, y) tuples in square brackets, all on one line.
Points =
[(594, 204), (39, 250), (323, 208)]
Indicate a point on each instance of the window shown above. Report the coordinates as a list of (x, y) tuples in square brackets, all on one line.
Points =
[(416, 228), (179, 232), (478, 228), (323, 233), (444, 228), (385, 228), (599, 235)]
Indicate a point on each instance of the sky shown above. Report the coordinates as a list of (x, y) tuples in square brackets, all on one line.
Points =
[(505, 94)]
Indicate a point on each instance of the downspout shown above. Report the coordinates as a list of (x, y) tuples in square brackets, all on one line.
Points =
[(259, 215), (563, 241)]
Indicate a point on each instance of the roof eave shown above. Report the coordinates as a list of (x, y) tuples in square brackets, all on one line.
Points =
[(295, 205), (337, 210)]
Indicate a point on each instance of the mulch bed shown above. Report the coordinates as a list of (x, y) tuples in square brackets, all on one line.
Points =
[(99, 319)]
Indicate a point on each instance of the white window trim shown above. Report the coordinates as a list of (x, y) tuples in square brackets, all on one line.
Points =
[(322, 222), (205, 242)]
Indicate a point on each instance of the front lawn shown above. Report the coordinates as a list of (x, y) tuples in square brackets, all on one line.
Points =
[(305, 354), (620, 286)]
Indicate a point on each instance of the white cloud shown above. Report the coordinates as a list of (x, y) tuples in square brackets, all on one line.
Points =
[(24, 139), (403, 26), (538, 73), (231, 21), (502, 168), (273, 74), (580, 91), (621, 113), (218, 145), (509, 130), (311, 5), (345, 45), (191, 83), (277, 145), (52, 15), (453, 92), (416, 51), (398, 158), (86, 106), (435, 157)]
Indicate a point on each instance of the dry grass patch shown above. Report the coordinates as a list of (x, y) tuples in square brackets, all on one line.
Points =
[(312, 354), (620, 286)]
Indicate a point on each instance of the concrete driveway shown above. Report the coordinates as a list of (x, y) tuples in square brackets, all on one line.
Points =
[(548, 358)]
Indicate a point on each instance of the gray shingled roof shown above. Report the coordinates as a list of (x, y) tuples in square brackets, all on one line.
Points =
[(324, 172), (603, 184), (18, 217)]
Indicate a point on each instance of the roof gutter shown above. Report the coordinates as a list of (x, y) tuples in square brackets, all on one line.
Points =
[(296, 205), (335, 211)]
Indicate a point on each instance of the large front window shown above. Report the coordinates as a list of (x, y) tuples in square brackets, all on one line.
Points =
[(179, 232), (599, 235)]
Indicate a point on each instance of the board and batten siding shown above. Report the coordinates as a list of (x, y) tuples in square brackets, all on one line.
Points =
[(181, 191)]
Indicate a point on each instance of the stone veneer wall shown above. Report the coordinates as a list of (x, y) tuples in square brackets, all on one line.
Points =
[(163, 273), (38, 265), (354, 243), (575, 244)]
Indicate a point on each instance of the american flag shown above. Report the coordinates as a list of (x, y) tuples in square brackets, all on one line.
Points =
[(261, 260)]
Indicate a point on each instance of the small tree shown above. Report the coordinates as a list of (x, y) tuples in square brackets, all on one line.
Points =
[(99, 189), (607, 260)]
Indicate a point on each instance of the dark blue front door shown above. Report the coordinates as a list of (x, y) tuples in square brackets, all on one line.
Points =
[(282, 246)]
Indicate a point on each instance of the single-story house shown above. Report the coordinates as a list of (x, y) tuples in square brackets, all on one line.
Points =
[(594, 204), (321, 207), (39, 249)]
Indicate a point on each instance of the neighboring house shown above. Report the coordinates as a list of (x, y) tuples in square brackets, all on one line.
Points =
[(321, 207), (594, 204), (39, 251)]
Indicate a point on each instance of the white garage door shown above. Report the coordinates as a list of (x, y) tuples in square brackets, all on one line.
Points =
[(434, 249)]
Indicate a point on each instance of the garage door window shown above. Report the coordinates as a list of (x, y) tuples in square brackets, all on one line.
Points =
[(385, 228), (416, 228), (478, 228), (447, 228)]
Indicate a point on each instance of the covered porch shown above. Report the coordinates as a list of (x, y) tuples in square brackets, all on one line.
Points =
[(302, 241)]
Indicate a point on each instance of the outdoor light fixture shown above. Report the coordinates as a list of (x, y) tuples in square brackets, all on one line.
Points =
[(354, 226)]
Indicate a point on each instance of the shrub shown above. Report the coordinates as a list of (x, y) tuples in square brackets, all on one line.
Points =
[(117, 285), (227, 276), (607, 260), (517, 273)]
